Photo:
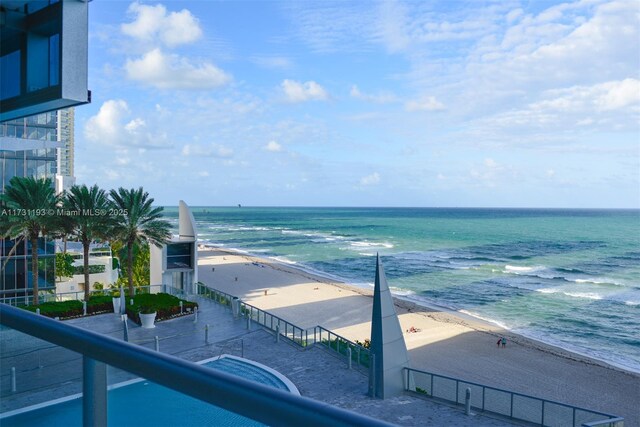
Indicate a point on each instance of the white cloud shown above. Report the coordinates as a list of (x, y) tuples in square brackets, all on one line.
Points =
[(571, 43), (153, 22), (380, 98), (273, 62), (392, 26), (170, 71), (492, 173), (109, 127), (203, 174), (103, 127), (300, 92), (427, 104), (211, 150), (273, 146), (613, 95), (372, 179)]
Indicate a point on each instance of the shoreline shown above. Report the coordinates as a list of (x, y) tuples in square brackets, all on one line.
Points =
[(429, 309)]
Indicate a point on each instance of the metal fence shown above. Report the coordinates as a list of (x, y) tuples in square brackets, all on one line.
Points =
[(333, 342), (506, 403), (342, 346), (215, 295), (276, 324)]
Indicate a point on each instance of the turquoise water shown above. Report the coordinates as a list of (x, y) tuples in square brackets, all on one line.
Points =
[(148, 404), (567, 277)]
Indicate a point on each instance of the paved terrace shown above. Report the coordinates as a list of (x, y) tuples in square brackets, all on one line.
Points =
[(46, 372)]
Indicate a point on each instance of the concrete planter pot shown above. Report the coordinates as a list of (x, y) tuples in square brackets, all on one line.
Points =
[(148, 320), (116, 304)]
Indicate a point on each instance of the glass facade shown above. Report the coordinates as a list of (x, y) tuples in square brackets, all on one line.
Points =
[(15, 277)]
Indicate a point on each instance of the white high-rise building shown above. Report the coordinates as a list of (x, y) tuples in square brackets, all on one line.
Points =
[(65, 177)]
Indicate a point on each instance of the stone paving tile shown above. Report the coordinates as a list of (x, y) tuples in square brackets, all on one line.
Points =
[(46, 372)]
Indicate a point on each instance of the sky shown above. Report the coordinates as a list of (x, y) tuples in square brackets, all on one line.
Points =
[(363, 103)]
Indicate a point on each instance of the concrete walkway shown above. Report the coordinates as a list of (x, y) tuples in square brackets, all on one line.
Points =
[(46, 372)]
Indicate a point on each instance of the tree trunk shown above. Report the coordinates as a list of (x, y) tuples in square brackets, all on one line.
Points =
[(34, 269), (130, 268), (87, 284)]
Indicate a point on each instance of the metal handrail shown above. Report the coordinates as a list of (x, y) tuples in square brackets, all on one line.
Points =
[(244, 397), (609, 418), (305, 334), (280, 320), (613, 422), (361, 349)]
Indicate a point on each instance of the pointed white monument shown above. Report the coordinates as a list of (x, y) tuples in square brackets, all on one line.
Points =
[(388, 349)]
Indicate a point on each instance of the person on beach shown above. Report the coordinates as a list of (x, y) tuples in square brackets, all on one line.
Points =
[(504, 342), (499, 342)]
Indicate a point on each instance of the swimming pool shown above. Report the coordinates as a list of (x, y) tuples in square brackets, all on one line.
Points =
[(142, 403)]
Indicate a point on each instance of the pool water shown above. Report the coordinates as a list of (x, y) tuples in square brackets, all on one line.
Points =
[(144, 403)]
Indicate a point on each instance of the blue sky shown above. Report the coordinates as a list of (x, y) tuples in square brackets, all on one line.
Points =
[(452, 103)]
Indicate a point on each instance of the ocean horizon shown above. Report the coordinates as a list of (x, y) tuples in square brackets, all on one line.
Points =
[(566, 277)]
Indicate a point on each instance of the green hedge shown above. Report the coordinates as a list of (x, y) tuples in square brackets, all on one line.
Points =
[(166, 306), (93, 269), (71, 309)]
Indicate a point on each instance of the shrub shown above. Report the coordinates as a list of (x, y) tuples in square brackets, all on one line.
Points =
[(70, 309), (166, 306)]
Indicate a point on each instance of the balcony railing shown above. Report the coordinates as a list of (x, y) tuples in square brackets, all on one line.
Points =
[(513, 405), (244, 397), (305, 338)]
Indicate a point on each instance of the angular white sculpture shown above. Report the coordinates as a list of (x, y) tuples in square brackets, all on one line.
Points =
[(388, 349)]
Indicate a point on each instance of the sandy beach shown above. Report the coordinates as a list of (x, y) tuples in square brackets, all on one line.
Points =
[(447, 343)]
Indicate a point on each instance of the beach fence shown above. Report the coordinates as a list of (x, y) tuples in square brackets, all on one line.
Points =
[(509, 404), (340, 346)]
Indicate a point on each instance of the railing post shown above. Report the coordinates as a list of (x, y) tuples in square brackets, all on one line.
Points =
[(467, 401), (372, 374), (38, 311), (511, 410), (13, 380), (181, 308), (125, 329), (542, 419), (123, 301), (349, 356), (206, 334), (84, 308), (278, 333), (157, 340), (195, 315), (94, 393), (432, 391), (248, 323)]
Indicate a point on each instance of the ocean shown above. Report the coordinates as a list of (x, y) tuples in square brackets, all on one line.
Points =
[(570, 278)]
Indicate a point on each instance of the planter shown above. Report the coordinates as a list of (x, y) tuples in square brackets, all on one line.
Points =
[(116, 304), (147, 320)]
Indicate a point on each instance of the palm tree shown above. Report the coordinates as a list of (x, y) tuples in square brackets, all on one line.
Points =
[(33, 204), (90, 220), (137, 223)]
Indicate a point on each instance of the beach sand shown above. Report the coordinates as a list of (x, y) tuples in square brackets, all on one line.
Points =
[(447, 343)]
